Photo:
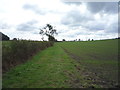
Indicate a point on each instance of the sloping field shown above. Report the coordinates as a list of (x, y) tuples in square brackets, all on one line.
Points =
[(92, 64), (100, 58)]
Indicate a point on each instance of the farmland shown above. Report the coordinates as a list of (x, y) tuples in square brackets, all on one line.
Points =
[(84, 64), (100, 58)]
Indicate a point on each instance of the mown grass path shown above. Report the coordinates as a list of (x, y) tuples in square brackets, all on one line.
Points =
[(50, 68)]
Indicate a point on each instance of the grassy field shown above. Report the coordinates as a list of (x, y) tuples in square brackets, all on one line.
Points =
[(99, 58), (91, 64)]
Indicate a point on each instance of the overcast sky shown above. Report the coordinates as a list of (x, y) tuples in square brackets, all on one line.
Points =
[(73, 20)]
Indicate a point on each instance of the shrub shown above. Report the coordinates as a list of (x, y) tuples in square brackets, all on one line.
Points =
[(17, 52)]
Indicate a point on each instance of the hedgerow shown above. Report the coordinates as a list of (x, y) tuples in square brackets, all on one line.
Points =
[(18, 52)]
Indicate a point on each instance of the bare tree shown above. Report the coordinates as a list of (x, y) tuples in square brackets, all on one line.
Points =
[(49, 31)]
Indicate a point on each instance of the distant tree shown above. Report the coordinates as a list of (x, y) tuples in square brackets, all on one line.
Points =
[(88, 39), (49, 31), (51, 38), (63, 40), (56, 40), (92, 40), (79, 39), (4, 37), (15, 39)]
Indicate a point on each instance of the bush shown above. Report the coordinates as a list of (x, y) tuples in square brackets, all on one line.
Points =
[(17, 52)]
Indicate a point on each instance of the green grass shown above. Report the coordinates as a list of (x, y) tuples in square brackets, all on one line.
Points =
[(103, 50), (46, 69), (68, 64), (98, 57)]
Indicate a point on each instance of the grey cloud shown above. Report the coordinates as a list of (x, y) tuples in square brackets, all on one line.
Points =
[(112, 28), (35, 33), (68, 35), (27, 26), (75, 18), (83, 33), (106, 7), (73, 3), (34, 8), (72, 35), (94, 25), (60, 32), (4, 26), (118, 27)]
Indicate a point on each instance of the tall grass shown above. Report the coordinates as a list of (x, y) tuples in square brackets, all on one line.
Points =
[(17, 52)]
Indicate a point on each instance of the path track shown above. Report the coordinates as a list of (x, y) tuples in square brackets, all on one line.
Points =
[(49, 68)]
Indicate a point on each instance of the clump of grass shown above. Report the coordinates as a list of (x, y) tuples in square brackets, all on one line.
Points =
[(17, 52)]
